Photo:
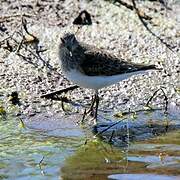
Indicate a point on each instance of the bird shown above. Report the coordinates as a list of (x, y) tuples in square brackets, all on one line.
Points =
[(94, 68)]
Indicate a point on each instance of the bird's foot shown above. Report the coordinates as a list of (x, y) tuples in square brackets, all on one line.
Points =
[(89, 113)]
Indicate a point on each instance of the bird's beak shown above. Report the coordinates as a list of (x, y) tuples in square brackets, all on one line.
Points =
[(79, 27), (62, 40)]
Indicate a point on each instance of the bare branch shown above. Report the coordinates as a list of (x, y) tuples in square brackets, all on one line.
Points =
[(64, 90), (165, 98), (148, 29)]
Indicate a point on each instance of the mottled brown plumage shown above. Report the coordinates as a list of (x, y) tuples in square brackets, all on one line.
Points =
[(93, 61)]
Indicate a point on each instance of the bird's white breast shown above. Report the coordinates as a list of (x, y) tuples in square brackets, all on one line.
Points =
[(97, 82)]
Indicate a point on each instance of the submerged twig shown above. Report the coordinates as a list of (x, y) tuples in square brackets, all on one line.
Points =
[(150, 109), (40, 166), (110, 139), (99, 133), (86, 141), (22, 124)]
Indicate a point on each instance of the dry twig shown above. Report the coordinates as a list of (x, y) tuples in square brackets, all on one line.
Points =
[(165, 98), (125, 4), (64, 90), (129, 6), (148, 29), (26, 40)]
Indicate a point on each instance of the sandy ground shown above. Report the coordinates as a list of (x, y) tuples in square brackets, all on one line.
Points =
[(114, 28)]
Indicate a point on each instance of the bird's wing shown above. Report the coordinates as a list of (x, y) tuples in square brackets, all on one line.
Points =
[(97, 62)]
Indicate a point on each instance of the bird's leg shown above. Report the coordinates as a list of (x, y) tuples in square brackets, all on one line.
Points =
[(97, 103), (92, 105), (95, 100), (91, 110)]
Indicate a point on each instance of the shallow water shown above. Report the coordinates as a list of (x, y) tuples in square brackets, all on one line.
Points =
[(21, 151), (27, 154), (159, 156)]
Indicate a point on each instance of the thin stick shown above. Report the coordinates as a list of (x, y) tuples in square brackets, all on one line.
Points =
[(148, 29), (40, 166), (22, 44), (140, 110), (37, 56), (15, 15), (125, 4), (164, 4), (10, 36), (165, 98), (128, 6), (99, 133), (19, 46), (65, 90), (110, 139)]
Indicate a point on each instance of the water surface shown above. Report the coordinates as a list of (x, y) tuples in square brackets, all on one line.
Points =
[(35, 153)]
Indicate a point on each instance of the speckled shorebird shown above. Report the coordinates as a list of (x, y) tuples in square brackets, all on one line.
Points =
[(94, 68)]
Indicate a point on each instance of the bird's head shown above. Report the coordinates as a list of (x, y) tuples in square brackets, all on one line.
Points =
[(69, 41)]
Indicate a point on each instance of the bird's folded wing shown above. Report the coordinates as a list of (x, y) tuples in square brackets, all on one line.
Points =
[(98, 63)]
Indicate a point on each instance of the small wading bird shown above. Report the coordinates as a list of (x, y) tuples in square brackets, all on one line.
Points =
[(93, 68)]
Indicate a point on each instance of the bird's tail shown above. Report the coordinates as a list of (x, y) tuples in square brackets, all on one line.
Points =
[(148, 67)]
